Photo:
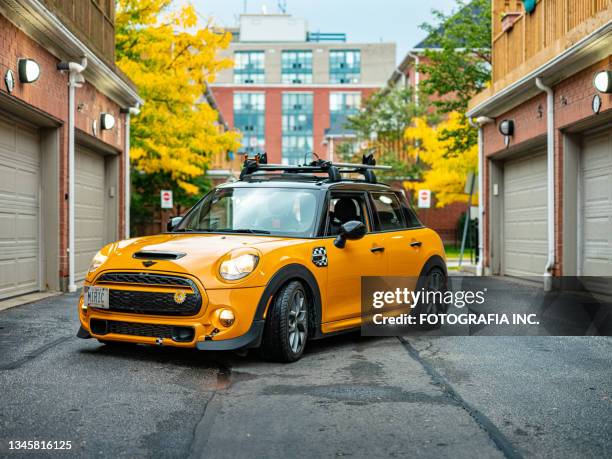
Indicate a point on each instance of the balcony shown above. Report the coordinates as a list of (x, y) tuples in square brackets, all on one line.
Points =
[(522, 41), (93, 21)]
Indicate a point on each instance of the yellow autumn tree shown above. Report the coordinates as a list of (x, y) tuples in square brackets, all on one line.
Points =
[(171, 60), (445, 171)]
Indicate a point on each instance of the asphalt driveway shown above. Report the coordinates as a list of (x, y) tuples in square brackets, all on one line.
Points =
[(348, 396)]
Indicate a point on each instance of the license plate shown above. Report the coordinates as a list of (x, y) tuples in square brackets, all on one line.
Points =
[(97, 297)]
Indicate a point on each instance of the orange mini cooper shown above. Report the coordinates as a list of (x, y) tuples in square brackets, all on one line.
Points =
[(270, 261)]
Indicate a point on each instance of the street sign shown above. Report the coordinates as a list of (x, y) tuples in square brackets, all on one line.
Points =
[(424, 199), (166, 199)]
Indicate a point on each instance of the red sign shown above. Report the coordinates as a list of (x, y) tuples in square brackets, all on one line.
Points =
[(166, 199), (424, 199)]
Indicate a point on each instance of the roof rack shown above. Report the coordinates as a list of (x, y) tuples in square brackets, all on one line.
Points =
[(334, 170)]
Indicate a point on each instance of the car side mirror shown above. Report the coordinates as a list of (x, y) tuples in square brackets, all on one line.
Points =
[(173, 223), (351, 230)]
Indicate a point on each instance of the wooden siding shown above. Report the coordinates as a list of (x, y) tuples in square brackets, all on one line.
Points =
[(92, 21), (554, 24)]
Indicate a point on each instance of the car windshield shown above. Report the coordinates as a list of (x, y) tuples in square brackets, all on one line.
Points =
[(275, 211)]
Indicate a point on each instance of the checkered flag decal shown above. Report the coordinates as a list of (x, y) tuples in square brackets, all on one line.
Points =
[(319, 257)]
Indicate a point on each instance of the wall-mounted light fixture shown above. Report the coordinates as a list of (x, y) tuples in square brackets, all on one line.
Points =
[(603, 81), (506, 128), (9, 81), (107, 121), (29, 70)]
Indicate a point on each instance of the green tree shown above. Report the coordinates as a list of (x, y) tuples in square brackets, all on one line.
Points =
[(381, 122), (171, 60), (458, 64), (386, 113)]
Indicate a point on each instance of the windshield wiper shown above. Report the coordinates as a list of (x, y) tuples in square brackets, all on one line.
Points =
[(243, 230), (194, 230), (222, 230)]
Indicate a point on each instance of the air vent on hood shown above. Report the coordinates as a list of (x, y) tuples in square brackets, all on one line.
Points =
[(158, 255)]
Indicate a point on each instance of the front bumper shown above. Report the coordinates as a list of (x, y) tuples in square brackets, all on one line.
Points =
[(208, 333)]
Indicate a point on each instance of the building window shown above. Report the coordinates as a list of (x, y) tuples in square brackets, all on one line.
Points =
[(297, 128), (249, 67), (297, 67), (344, 66), (250, 120), (343, 105)]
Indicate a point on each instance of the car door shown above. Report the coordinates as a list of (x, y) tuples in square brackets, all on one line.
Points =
[(402, 234), (363, 257)]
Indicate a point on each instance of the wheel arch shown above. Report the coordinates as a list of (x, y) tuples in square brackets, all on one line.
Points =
[(436, 261), (286, 274)]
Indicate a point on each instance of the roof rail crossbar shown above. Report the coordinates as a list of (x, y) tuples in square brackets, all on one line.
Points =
[(333, 170)]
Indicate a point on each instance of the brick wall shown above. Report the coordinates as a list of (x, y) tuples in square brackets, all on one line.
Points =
[(443, 220)]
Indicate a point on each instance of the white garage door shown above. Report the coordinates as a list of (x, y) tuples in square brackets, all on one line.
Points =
[(19, 209), (90, 199), (524, 238), (595, 255)]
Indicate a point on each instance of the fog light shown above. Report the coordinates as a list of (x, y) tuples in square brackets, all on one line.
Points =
[(183, 334), (226, 318)]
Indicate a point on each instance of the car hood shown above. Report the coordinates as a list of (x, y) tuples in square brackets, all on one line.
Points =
[(207, 246), (202, 252)]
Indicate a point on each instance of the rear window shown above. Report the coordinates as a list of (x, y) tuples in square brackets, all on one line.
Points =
[(389, 212)]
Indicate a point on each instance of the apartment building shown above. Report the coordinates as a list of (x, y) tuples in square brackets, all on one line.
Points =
[(546, 140), (290, 90), (63, 159)]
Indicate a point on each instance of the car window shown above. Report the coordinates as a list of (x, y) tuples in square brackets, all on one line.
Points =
[(389, 212), (277, 211), (344, 208)]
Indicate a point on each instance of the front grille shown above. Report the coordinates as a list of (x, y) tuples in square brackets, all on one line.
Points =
[(160, 303), (179, 334), (151, 302), (104, 327), (144, 279)]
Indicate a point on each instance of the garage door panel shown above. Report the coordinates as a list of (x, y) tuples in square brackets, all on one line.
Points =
[(27, 185), (19, 209), (595, 257), (7, 177), (27, 228), (524, 217), (89, 208), (8, 278), (8, 136)]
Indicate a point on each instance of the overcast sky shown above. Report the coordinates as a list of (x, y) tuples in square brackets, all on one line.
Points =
[(362, 20)]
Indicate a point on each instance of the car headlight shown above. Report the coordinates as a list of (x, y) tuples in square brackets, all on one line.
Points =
[(239, 267), (97, 261)]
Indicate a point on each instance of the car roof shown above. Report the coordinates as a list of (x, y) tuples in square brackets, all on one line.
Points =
[(302, 183)]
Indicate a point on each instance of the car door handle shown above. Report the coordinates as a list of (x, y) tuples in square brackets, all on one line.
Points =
[(377, 249), (416, 244)]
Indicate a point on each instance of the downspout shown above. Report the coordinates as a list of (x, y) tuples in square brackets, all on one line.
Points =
[(75, 80), (416, 77), (480, 121), (127, 180), (550, 147)]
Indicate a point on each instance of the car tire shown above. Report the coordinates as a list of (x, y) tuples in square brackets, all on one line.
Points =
[(286, 329), (434, 280)]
